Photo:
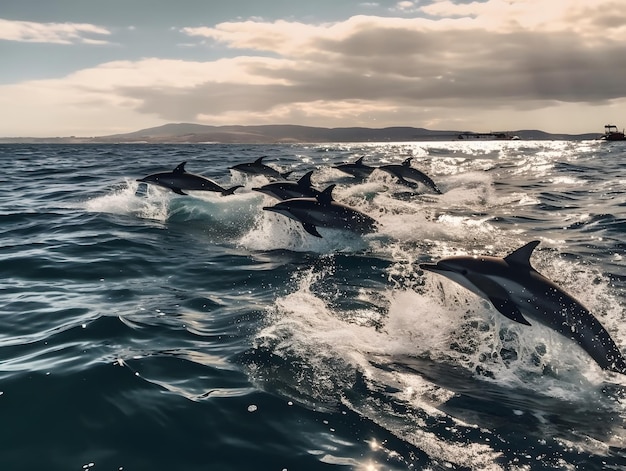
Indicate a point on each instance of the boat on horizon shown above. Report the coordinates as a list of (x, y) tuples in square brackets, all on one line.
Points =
[(611, 133)]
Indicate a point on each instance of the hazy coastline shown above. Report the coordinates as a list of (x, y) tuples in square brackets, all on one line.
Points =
[(180, 133)]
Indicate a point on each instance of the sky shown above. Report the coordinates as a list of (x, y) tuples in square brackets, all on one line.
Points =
[(96, 67)]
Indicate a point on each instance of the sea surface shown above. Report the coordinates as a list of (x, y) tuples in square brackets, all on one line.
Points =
[(145, 330)]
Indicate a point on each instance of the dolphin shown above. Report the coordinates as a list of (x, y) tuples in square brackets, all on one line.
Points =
[(324, 211), (285, 190), (519, 292), (179, 180), (259, 168), (410, 176), (357, 169)]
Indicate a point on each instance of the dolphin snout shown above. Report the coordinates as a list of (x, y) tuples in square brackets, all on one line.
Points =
[(443, 267), (429, 266)]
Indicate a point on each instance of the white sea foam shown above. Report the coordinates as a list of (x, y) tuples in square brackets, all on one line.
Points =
[(443, 324), (273, 232), (222, 216), (124, 200), (336, 351)]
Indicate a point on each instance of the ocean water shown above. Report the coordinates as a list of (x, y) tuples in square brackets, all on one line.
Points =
[(144, 330)]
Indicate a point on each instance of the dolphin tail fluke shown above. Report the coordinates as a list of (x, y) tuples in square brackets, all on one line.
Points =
[(433, 186), (311, 229), (231, 191), (617, 364), (429, 182), (286, 174)]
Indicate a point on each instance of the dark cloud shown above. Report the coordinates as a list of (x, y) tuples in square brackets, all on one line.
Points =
[(415, 68)]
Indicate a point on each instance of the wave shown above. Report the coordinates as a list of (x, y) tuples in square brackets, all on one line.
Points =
[(435, 363), (182, 312)]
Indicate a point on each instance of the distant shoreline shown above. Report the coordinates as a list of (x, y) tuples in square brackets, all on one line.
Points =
[(187, 133)]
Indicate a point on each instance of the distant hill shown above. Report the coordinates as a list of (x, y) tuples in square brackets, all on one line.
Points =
[(268, 134), (271, 134)]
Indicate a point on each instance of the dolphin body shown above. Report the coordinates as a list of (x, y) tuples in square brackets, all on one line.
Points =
[(410, 176), (179, 179), (518, 291), (324, 211), (285, 190), (357, 169), (259, 168)]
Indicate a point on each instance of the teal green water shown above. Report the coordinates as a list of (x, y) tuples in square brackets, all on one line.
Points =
[(141, 329)]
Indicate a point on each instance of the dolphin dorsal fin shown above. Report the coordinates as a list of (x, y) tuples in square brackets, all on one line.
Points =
[(180, 168), (359, 161), (326, 196), (260, 160), (522, 255), (407, 162), (305, 181)]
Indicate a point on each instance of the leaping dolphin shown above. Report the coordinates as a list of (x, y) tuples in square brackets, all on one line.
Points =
[(518, 291), (259, 168), (324, 211), (357, 169), (285, 190), (179, 179), (410, 176)]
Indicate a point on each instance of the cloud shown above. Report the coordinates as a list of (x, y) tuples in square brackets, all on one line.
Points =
[(405, 6), (57, 33), (480, 66), (494, 52)]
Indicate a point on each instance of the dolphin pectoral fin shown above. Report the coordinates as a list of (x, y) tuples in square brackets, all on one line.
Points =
[(499, 297), (311, 229), (404, 181), (178, 191), (507, 308)]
